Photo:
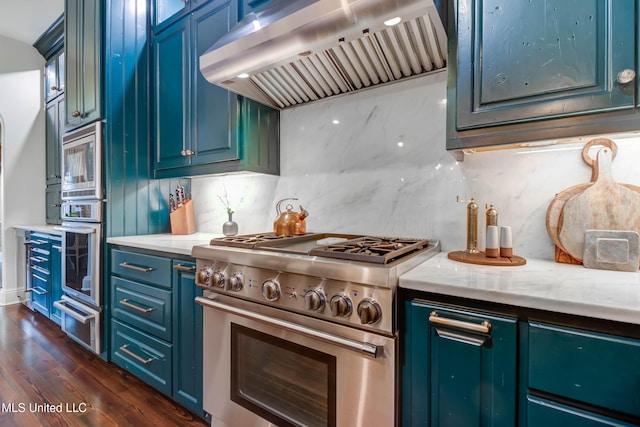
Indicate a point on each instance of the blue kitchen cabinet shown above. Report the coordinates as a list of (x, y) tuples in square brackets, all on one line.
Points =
[(187, 372), (54, 127), (454, 372), (156, 327), (201, 128), (522, 70), (578, 377), (83, 42), (55, 269), (54, 77), (166, 12)]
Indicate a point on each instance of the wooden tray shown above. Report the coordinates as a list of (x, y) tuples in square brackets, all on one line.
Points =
[(481, 259)]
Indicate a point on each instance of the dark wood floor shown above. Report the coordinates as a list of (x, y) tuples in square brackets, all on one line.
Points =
[(43, 371)]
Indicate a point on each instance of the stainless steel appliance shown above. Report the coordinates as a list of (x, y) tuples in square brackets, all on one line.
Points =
[(301, 331), (286, 52), (82, 163), (81, 272)]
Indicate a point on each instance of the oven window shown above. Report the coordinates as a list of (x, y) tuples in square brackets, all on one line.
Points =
[(77, 268), (283, 382), (78, 163)]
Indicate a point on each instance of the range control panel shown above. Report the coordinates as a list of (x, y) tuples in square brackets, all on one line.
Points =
[(359, 305)]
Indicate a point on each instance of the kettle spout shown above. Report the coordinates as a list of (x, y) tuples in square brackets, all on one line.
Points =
[(303, 214)]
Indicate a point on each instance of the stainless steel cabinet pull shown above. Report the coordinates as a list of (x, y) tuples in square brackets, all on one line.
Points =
[(38, 291), (357, 346), (76, 114), (483, 327), (128, 352), (54, 87), (187, 153), (183, 268), (136, 268), (126, 303)]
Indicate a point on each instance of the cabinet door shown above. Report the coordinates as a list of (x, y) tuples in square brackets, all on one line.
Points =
[(56, 279), (83, 47), (53, 141), (214, 108), (53, 204), (52, 80), (521, 60), (454, 374), (187, 372), (171, 83)]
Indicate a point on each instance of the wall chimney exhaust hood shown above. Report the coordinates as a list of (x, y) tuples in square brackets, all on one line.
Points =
[(287, 52)]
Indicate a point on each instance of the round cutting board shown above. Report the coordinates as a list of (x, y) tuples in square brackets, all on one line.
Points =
[(604, 205)]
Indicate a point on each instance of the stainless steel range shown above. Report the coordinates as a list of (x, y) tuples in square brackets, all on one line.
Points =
[(301, 331)]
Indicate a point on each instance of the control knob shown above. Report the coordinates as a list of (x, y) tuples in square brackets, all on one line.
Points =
[(369, 311), (217, 279), (235, 282), (203, 276), (271, 290), (340, 306), (314, 300)]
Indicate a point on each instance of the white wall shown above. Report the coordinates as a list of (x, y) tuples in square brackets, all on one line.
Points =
[(23, 149), (353, 177)]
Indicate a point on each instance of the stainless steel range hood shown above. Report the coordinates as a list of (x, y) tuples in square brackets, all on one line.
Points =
[(291, 52)]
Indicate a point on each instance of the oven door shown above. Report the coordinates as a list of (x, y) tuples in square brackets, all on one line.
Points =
[(81, 261), (81, 323), (265, 367), (81, 163)]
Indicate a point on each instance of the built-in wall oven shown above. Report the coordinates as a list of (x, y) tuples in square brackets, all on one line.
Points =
[(81, 307), (82, 163)]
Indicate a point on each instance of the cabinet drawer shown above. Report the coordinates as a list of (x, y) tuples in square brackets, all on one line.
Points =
[(144, 356), (147, 268), (40, 292), (145, 307), (541, 412), (593, 368)]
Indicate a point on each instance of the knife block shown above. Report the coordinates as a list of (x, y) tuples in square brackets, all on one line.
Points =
[(183, 219)]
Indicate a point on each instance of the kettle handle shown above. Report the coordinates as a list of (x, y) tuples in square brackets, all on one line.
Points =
[(278, 211)]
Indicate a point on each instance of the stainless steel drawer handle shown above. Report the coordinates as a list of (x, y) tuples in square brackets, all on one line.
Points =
[(38, 291), (130, 353), (136, 268), (126, 303), (367, 349), (183, 268), (483, 327)]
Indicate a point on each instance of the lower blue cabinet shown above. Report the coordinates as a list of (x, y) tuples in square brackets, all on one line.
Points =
[(542, 412), (156, 325), (459, 368), (148, 358)]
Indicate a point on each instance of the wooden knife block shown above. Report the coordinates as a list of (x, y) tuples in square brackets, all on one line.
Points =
[(183, 219)]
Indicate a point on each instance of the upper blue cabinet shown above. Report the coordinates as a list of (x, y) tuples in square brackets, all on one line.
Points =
[(523, 70), (83, 23), (166, 12)]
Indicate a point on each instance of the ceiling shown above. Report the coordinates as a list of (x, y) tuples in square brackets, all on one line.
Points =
[(26, 20)]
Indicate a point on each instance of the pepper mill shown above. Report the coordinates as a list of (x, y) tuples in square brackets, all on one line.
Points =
[(472, 227)]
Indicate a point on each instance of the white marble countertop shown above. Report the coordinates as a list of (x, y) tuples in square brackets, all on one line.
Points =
[(169, 243), (540, 284), (44, 228)]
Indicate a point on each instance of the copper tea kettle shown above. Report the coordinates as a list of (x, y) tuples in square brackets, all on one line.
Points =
[(290, 223)]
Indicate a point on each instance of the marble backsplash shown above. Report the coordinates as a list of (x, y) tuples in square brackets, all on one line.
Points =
[(375, 162)]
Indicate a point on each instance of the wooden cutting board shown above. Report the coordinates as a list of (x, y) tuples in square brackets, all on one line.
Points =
[(604, 205), (556, 205)]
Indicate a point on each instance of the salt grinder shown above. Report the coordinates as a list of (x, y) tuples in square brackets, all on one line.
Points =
[(491, 216)]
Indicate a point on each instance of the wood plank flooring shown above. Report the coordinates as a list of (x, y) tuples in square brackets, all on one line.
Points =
[(48, 380)]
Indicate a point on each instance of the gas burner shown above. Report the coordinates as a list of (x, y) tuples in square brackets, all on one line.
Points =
[(380, 250), (249, 241)]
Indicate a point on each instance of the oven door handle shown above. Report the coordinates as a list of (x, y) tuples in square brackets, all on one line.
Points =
[(62, 306), (357, 346)]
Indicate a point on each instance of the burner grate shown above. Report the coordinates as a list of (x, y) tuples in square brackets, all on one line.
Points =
[(380, 250)]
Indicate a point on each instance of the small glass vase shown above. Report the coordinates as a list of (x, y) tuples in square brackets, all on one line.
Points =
[(230, 228)]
